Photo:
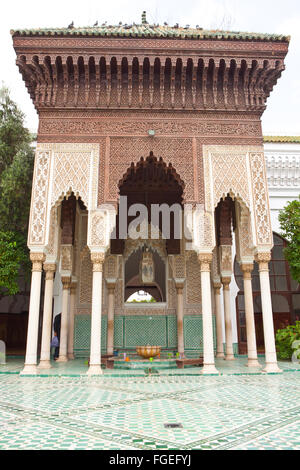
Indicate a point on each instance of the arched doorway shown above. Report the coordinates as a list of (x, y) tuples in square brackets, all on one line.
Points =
[(151, 183), (285, 294)]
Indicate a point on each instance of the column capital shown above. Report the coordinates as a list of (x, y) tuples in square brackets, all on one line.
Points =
[(205, 260), (179, 284), (73, 286), (37, 260), (66, 282), (263, 260), (247, 269), (50, 269), (226, 281), (98, 260), (111, 284), (217, 287)]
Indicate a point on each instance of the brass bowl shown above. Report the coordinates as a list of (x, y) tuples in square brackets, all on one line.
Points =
[(148, 351)]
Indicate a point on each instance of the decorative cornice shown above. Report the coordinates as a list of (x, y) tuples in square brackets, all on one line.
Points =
[(283, 168), (92, 74)]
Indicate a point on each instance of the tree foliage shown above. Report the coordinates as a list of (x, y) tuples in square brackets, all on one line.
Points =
[(285, 339), (12, 257), (289, 219), (16, 169)]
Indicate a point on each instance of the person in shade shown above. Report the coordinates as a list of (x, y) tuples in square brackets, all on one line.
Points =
[(56, 327)]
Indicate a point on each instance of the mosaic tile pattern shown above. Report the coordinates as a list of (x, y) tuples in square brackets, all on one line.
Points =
[(132, 330), (246, 412)]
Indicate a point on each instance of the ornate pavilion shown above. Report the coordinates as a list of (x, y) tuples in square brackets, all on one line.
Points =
[(161, 116)]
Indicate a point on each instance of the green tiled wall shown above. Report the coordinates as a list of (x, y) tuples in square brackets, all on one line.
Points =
[(131, 331)]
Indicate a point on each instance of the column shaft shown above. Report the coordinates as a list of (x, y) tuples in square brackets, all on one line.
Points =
[(180, 316), (63, 342), (95, 354), (30, 366), (208, 341), (270, 348), (110, 318), (219, 328), (71, 321), (47, 316), (249, 313), (228, 324)]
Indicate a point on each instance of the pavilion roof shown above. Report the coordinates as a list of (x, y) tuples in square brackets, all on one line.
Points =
[(270, 139), (146, 30)]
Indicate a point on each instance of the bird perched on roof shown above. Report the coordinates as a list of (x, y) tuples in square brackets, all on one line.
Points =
[(71, 25), (96, 24)]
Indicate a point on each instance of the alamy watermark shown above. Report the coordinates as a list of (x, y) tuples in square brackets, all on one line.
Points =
[(160, 221)]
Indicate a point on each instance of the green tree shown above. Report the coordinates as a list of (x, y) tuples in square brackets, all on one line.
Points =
[(16, 169), (289, 219)]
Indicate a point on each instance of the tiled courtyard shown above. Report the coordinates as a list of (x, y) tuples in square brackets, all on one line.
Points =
[(125, 409)]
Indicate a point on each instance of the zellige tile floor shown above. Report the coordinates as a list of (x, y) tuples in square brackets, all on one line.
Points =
[(242, 412)]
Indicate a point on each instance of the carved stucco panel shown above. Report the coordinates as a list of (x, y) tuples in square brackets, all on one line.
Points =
[(193, 281), (39, 199), (260, 199), (75, 168)]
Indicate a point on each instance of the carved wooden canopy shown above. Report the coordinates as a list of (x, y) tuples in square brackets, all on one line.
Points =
[(149, 67)]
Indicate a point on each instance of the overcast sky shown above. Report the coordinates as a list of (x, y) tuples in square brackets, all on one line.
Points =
[(264, 16)]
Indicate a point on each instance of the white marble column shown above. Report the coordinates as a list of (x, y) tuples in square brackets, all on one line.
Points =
[(263, 260), (49, 269), (95, 354), (111, 283), (228, 324), (63, 342), (30, 366), (71, 320), (179, 283), (208, 339), (247, 269), (217, 294)]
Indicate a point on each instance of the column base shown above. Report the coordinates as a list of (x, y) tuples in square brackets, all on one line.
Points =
[(209, 369), (253, 363), (229, 357), (29, 369), (272, 368), (71, 356), (110, 352), (62, 359), (95, 370), (44, 365), (220, 356)]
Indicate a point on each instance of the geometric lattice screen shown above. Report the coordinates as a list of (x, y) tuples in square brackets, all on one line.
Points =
[(134, 330)]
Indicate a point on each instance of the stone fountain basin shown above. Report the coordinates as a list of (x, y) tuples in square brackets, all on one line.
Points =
[(148, 351)]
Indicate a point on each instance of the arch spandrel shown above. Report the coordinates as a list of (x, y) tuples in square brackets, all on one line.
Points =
[(60, 170)]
